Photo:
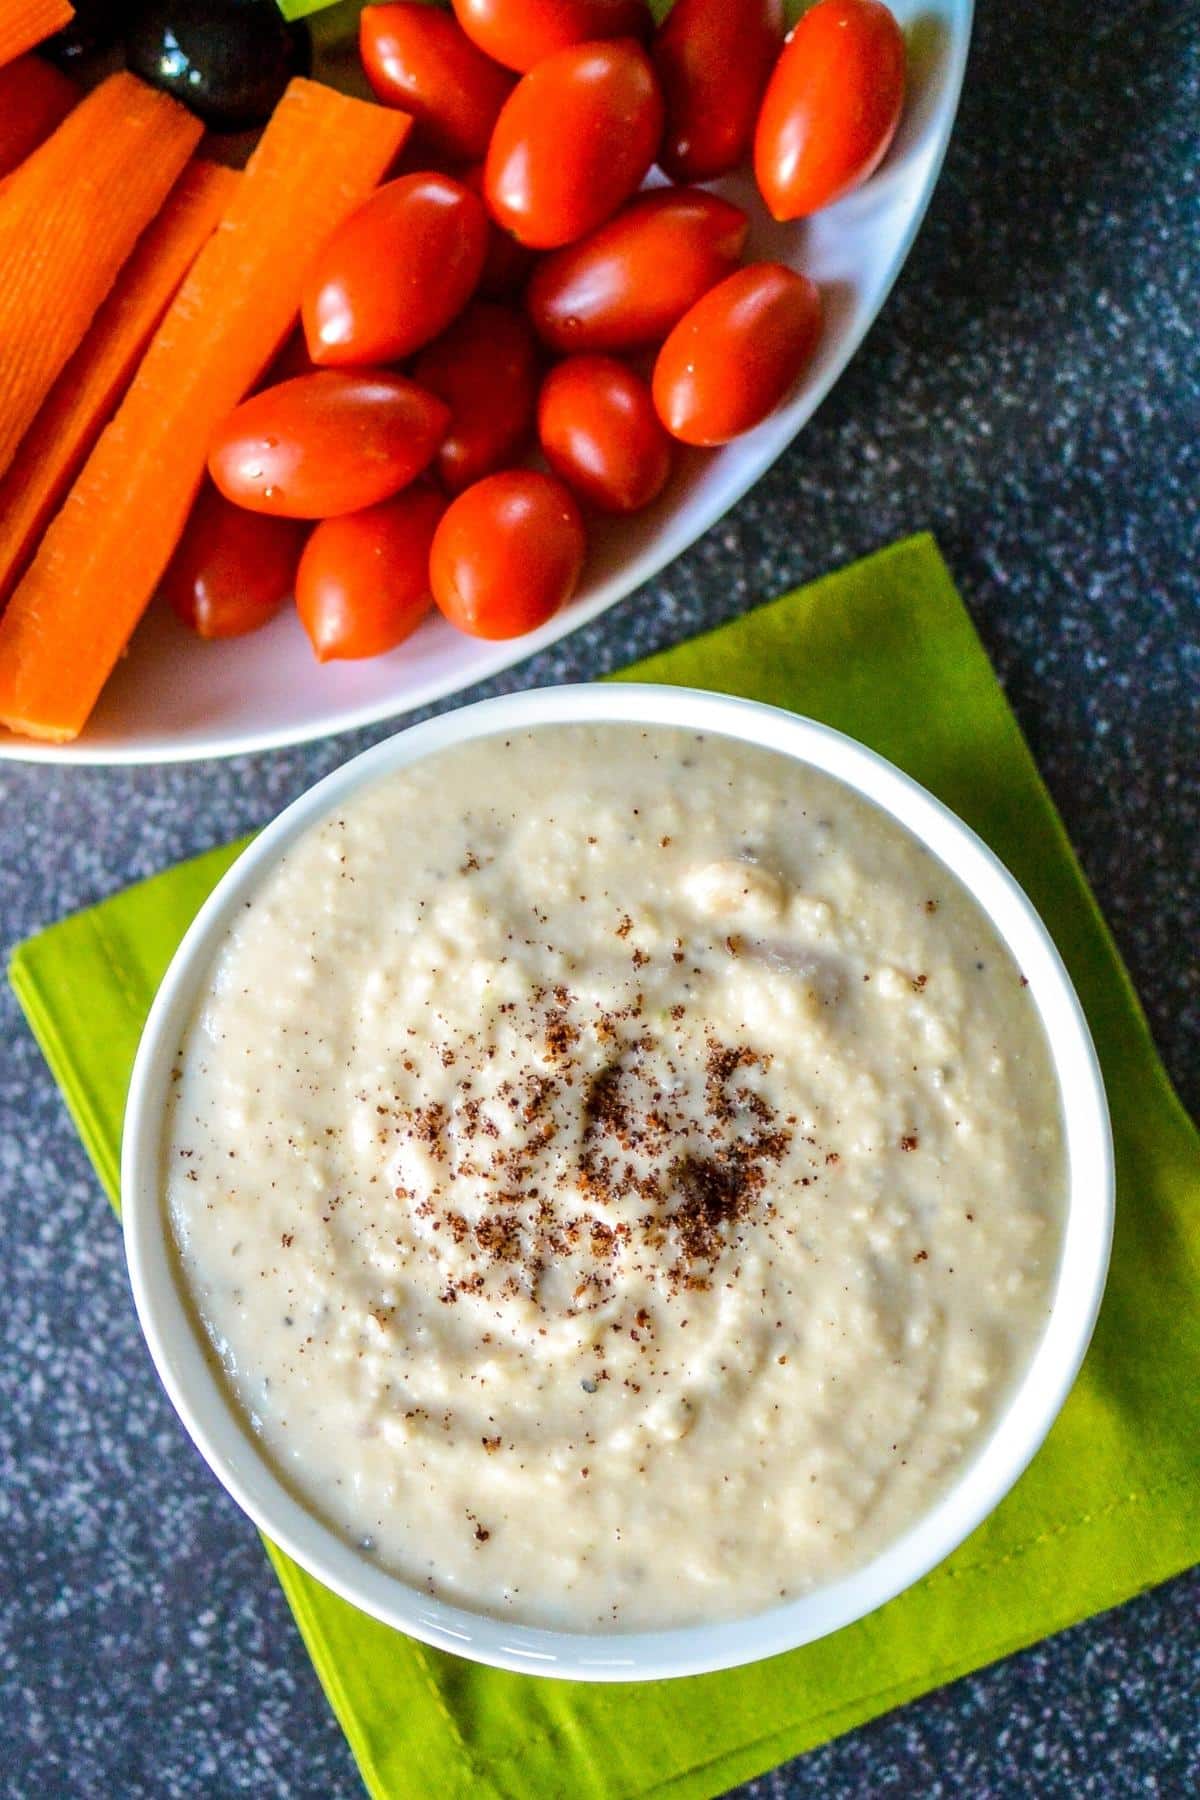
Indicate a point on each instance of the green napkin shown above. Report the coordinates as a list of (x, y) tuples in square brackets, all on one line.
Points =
[(884, 650)]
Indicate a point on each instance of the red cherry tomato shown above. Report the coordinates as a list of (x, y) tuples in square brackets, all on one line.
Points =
[(713, 58), (363, 582), (573, 140), (486, 370), (507, 264), (629, 282), (731, 359), (326, 443), (507, 554), (396, 272), (232, 570), (831, 108), (418, 58), (600, 432), (519, 33)]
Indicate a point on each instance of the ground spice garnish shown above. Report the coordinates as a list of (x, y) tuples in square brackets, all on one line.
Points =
[(500, 1237), (695, 1181)]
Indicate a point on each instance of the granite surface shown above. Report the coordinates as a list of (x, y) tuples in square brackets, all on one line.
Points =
[(1032, 392)]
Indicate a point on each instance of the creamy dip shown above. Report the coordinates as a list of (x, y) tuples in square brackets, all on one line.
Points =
[(620, 1173)]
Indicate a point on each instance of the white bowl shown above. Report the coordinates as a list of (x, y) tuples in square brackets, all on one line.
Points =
[(178, 1344), (174, 697)]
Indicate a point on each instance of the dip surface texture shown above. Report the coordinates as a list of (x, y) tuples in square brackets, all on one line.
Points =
[(620, 1173)]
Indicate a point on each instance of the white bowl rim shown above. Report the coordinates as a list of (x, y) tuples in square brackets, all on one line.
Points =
[(179, 1349)]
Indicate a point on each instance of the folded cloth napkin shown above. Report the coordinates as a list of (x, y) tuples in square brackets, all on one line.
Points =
[(885, 651)]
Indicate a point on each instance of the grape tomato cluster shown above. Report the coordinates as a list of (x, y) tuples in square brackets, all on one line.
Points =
[(511, 334)]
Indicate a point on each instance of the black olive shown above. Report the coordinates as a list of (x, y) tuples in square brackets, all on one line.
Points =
[(229, 60), (97, 24)]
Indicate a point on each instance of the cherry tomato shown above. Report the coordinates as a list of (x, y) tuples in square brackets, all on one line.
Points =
[(573, 140), (600, 432), (232, 570), (831, 108), (627, 284), (395, 274), (418, 58), (519, 33), (507, 554), (507, 264), (486, 370), (732, 358), (363, 581), (713, 58), (326, 443)]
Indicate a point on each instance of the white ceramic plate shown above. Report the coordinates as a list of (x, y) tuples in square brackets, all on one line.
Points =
[(174, 697), (177, 1341)]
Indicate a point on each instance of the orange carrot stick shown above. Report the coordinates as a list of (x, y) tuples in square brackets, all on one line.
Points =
[(35, 97), (85, 396), (68, 219), (24, 23), (103, 554)]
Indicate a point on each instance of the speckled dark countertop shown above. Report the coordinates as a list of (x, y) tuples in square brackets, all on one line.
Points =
[(1032, 392)]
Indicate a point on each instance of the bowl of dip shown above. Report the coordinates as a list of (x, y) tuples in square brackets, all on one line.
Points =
[(617, 1181)]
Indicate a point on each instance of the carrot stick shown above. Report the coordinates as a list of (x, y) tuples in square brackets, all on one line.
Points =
[(35, 97), (68, 219), (24, 23), (103, 554), (84, 397)]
